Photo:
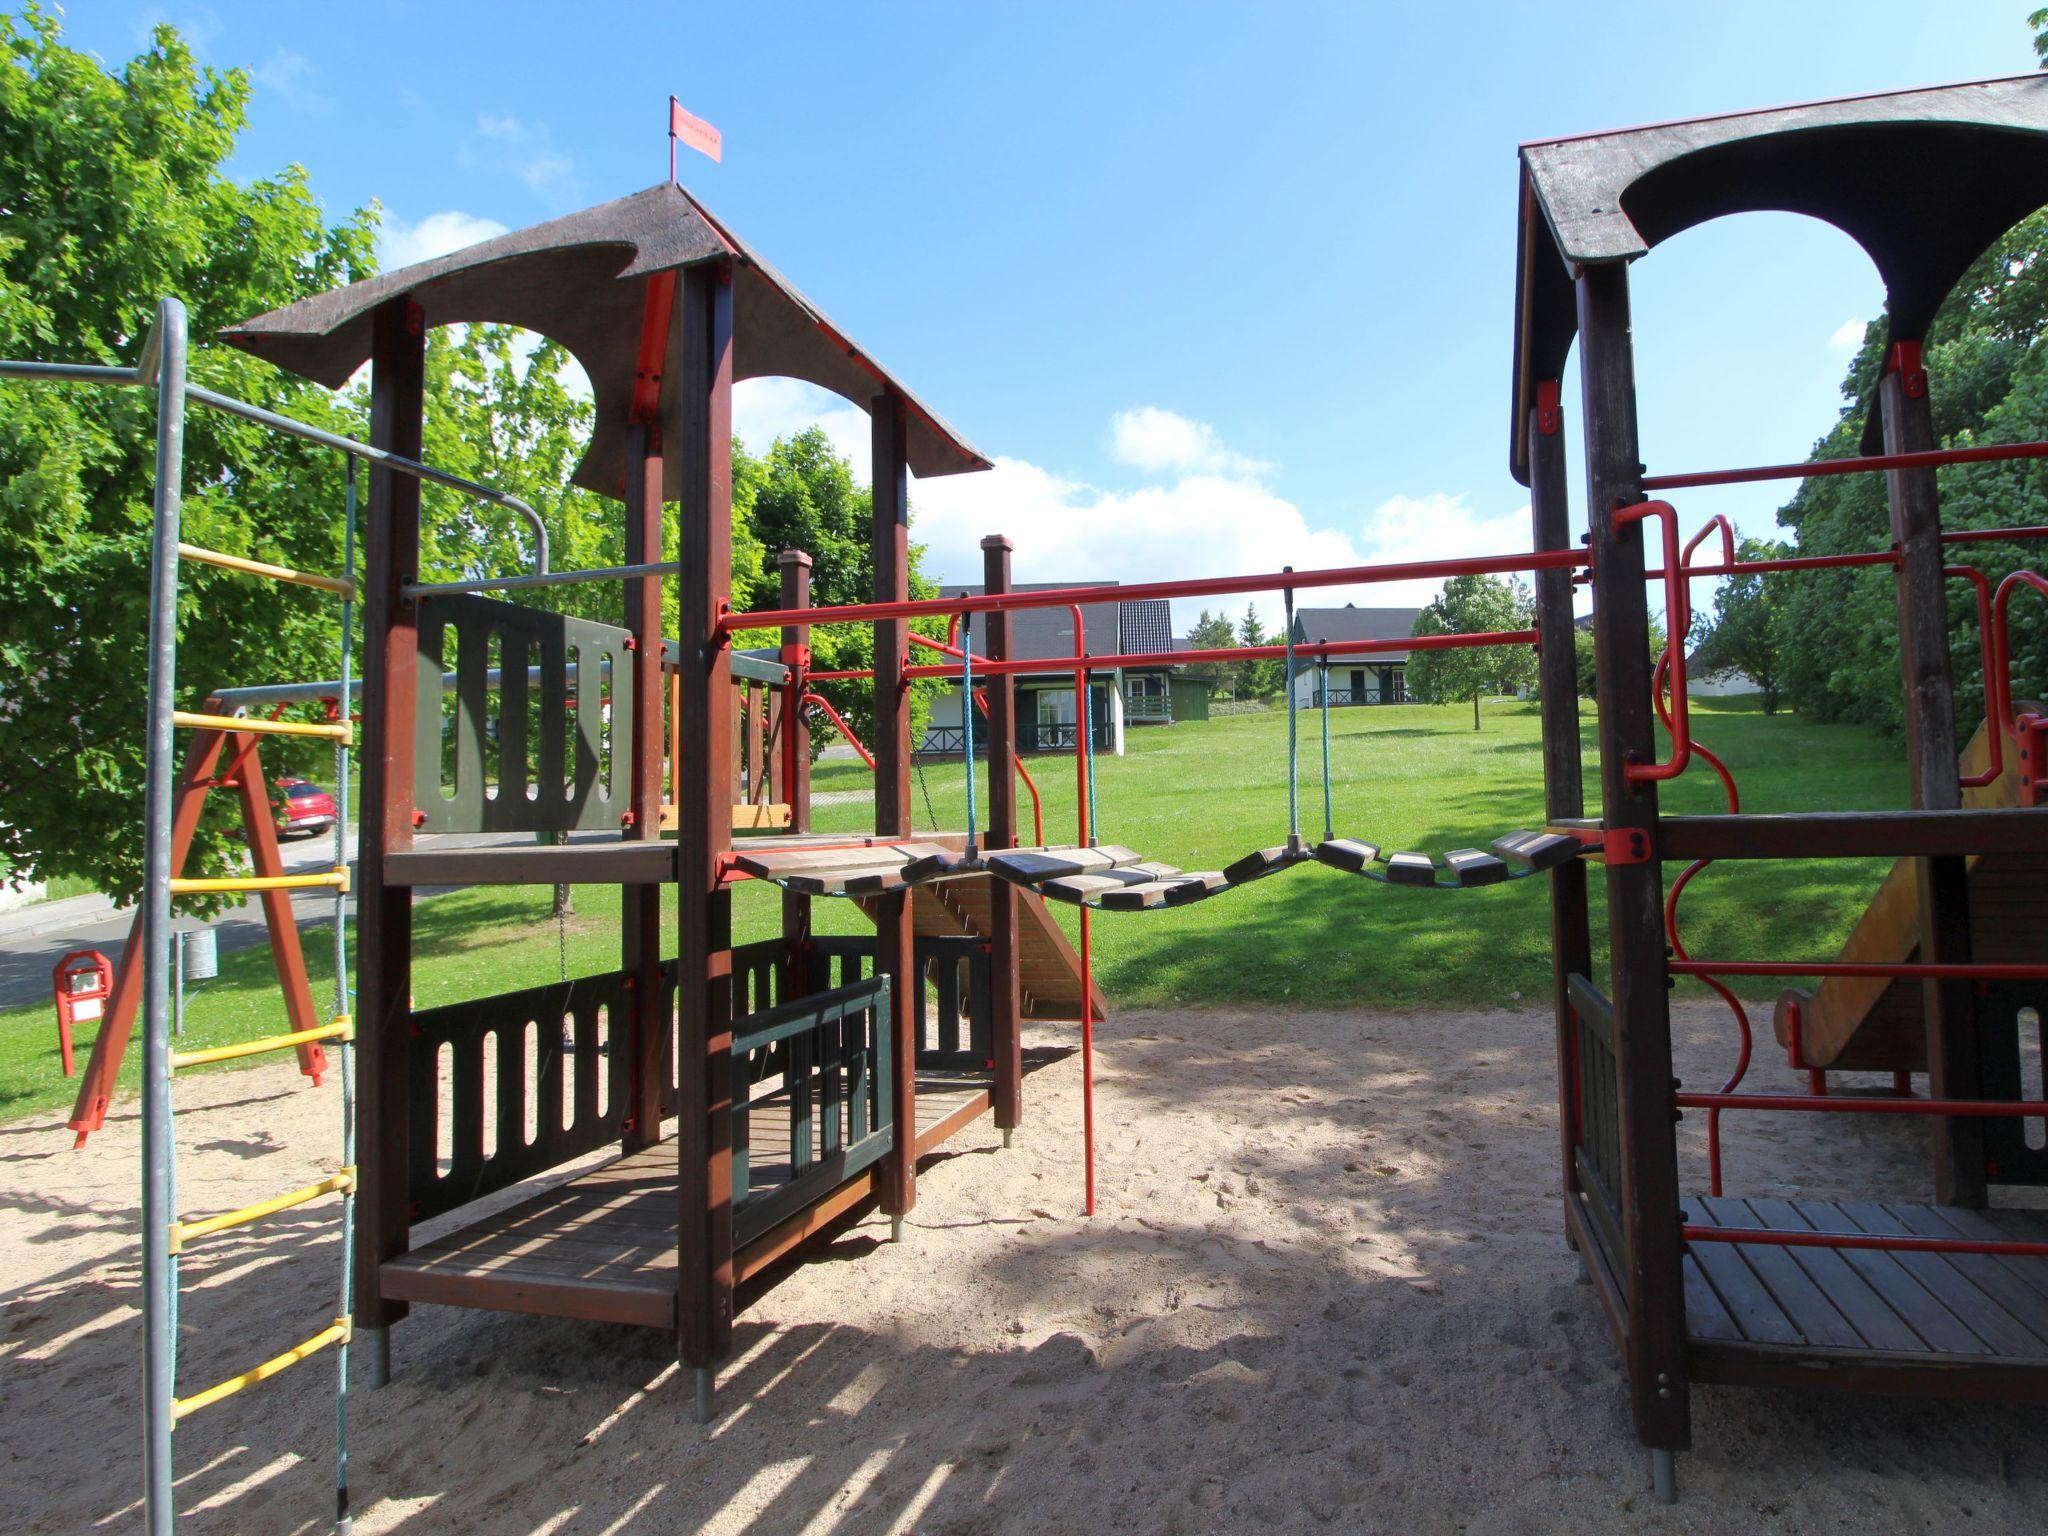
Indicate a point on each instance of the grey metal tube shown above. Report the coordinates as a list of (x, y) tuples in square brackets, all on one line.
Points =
[(545, 579), (68, 373), (389, 460), (159, 1195)]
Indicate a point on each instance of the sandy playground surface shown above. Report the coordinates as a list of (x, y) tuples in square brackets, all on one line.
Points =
[(1327, 1290)]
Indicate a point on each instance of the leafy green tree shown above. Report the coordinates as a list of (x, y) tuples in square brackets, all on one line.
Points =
[(1213, 632), (114, 196), (1473, 605), (1746, 632), (1263, 677)]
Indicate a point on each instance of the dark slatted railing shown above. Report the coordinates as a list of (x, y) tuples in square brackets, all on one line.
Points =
[(1597, 1128), (959, 1032), (510, 1086), (533, 737), (830, 1089)]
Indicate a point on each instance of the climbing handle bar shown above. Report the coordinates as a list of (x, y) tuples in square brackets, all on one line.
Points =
[(337, 1332), (326, 879), (286, 573), (183, 1232), (338, 730), (343, 1028)]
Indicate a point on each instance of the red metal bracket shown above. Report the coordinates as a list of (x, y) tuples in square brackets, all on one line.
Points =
[(797, 656), (1616, 845), (2032, 731), (1904, 359), (1549, 412)]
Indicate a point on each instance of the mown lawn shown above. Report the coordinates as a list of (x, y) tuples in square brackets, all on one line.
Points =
[(1200, 795)]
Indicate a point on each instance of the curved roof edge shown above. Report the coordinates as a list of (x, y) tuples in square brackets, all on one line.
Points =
[(578, 280), (1924, 180)]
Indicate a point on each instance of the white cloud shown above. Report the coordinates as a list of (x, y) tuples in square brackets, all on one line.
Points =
[(1160, 441), (291, 78), (1848, 335), (1204, 511), (400, 244), (506, 145)]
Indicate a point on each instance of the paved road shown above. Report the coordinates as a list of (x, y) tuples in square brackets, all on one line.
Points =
[(34, 939)]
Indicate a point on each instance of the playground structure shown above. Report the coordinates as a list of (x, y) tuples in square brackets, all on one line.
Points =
[(1946, 1299), (805, 1074)]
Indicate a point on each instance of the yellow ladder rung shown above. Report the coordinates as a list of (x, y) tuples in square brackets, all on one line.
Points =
[(250, 567), (338, 730), (337, 1332), (183, 1232), (330, 879), (343, 1028)]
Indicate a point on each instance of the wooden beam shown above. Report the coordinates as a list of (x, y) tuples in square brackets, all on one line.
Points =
[(1853, 835), (1571, 936), (1653, 1280), (1007, 1005), (795, 567), (1944, 885), (391, 558), (640, 905), (701, 368), (893, 926)]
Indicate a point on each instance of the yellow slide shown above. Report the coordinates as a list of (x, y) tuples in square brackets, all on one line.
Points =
[(1874, 1024)]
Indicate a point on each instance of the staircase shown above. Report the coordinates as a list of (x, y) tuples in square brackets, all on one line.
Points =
[(1049, 970)]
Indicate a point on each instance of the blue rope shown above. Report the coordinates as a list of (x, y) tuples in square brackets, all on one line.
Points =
[(1323, 694)]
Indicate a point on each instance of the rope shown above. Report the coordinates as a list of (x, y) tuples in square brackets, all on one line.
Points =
[(1086, 714), (1293, 742), (931, 817), (967, 718), (1323, 696)]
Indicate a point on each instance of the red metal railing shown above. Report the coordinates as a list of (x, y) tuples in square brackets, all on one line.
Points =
[(1678, 626), (839, 721), (1931, 458), (1994, 721)]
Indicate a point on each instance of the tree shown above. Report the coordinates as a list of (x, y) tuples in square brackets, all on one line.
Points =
[(1746, 632), (115, 196), (1259, 677), (1213, 632), (1473, 605)]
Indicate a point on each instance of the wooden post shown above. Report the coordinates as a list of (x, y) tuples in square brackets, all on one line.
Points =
[(1943, 883), (893, 929), (1007, 1024), (391, 557), (795, 566), (1653, 1282), (647, 1034), (701, 364), (1571, 941)]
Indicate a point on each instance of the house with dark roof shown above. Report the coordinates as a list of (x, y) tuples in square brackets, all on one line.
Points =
[(1373, 674), (1045, 700)]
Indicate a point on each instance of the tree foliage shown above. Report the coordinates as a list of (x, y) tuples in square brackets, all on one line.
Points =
[(1746, 632), (113, 198), (1473, 605)]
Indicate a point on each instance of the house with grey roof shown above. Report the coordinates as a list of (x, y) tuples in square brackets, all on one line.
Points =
[(1045, 700), (1375, 673)]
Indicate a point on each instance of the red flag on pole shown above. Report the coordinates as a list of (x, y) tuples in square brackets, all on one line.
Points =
[(693, 131)]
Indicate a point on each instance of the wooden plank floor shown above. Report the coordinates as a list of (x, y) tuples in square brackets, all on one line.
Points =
[(602, 1247), (1949, 1324)]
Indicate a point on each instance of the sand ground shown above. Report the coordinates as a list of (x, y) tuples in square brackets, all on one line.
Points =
[(1326, 1290)]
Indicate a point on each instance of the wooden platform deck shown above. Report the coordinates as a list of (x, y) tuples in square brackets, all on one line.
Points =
[(602, 1246), (1931, 1324)]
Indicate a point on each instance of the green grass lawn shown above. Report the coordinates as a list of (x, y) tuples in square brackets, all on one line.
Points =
[(1199, 795)]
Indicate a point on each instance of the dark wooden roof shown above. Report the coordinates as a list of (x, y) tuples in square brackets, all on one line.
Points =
[(579, 280), (1923, 180)]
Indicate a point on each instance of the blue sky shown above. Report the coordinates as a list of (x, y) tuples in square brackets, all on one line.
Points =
[(1221, 287)]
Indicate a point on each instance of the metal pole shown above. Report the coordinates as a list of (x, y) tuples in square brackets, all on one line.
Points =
[(159, 1193), (1293, 732), (342, 1518), (967, 719), (1323, 693), (545, 579)]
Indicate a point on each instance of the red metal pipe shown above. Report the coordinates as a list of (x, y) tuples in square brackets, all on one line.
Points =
[(1678, 628), (1909, 972), (1127, 659), (1881, 1242), (1994, 535), (1968, 1109), (1862, 464), (942, 646), (1994, 727), (844, 729), (1084, 726), (2002, 631), (1210, 586), (1788, 563)]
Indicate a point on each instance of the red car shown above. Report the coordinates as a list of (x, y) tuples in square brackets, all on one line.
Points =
[(302, 806)]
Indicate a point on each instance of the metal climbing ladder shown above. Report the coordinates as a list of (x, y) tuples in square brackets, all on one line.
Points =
[(165, 1237)]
